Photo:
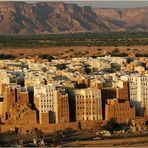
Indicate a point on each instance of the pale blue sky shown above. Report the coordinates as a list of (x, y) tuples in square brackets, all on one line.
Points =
[(113, 4), (104, 3)]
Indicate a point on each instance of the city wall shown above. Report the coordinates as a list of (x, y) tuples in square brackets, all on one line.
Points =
[(27, 129)]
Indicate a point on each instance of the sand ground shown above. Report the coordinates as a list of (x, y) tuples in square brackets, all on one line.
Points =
[(126, 142), (73, 51)]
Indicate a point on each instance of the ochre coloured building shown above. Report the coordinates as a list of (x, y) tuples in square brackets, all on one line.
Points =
[(88, 104), (120, 110), (17, 107)]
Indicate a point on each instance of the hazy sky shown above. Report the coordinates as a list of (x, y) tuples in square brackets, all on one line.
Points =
[(104, 3), (112, 4)]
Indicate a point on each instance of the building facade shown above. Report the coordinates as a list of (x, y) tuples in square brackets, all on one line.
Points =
[(51, 103), (16, 108), (88, 104), (119, 110), (138, 88)]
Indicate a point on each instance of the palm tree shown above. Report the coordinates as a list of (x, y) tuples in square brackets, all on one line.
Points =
[(112, 125), (58, 137)]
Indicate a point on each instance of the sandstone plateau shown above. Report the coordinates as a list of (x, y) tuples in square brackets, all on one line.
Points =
[(58, 17)]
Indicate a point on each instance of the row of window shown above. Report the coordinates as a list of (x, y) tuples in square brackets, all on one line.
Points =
[(51, 106), (46, 100), (51, 95), (43, 111), (81, 96), (87, 113), (87, 102), (85, 107), (89, 119), (50, 90), (118, 108)]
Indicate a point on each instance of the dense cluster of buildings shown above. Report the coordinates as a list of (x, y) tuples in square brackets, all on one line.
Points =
[(33, 90)]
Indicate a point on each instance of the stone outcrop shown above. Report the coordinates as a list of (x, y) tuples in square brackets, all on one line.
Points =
[(55, 17)]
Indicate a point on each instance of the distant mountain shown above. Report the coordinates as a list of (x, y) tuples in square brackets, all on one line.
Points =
[(56, 17)]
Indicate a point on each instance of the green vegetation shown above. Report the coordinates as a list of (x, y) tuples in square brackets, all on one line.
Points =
[(75, 39), (141, 55), (7, 56), (58, 137), (37, 133), (87, 69), (122, 54), (61, 66), (46, 56), (112, 126)]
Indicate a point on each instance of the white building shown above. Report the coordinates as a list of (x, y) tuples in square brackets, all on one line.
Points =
[(47, 100), (138, 87), (4, 78)]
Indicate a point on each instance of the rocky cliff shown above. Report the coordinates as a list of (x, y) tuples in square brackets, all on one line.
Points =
[(55, 17)]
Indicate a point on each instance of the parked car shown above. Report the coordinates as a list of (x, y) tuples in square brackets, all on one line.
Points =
[(145, 132), (98, 133), (98, 138)]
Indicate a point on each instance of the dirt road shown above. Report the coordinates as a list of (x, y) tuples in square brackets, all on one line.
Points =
[(127, 142)]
